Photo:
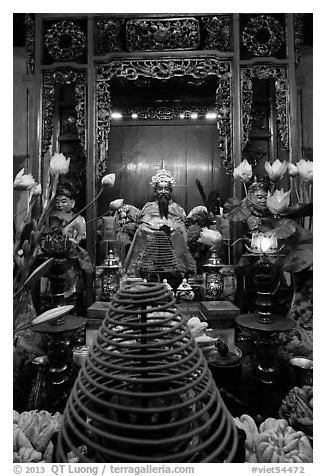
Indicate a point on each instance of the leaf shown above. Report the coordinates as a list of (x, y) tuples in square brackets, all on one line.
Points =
[(201, 191), (23, 311), (303, 235), (299, 211), (268, 223), (51, 314), (298, 258), (36, 274), (286, 229)]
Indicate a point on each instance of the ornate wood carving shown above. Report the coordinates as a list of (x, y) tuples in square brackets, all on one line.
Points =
[(164, 113), (30, 40), (63, 77), (162, 34), (279, 74), (103, 121), (217, 32), (263, 35), (224, 120), (165, 69), (109, 36), (65, 41), (298, 36), (254, 155), (282, 107), (257, 121)]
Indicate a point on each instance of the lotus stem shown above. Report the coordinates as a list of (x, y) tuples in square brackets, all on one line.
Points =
[(310, 192), (245, 188), (296, 188), (273, 186), (306, 192), (235, 242), (98, 218), (310, 223)]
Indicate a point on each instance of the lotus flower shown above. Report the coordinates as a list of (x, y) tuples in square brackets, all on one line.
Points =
[(23, 181), (263, 242), (37, 190), (209, 237), (305, 169), (293, 170), (76, 230), (116, 204), (243, 172), (108, 180), (278, 202), (276, 170), (59, 165)]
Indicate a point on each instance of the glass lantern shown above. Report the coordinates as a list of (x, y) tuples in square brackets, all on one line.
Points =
[(110, 276), (213, 280)]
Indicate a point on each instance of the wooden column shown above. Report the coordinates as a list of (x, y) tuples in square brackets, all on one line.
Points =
[(237, 119), (237, 124), (91, 160), (293, 118), (36, 111)]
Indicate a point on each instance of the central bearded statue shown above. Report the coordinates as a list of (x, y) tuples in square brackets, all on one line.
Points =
[(159, 248)]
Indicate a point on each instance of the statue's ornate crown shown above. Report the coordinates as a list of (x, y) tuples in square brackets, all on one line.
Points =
[(259, 183), (65, 190), (162, 175)]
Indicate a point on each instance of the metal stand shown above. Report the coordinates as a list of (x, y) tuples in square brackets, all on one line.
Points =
[(59, 352), (265, 326), (266, 342)]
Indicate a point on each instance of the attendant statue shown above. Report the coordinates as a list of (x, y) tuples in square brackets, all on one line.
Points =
[(252, 210), (257, 203), (250, 216), (159, 248), (70, 227), (63, 213)]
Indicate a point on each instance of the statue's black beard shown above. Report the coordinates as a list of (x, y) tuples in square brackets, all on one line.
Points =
[(163, 205)]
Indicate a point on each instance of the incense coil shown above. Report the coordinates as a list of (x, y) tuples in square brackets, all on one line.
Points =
[(159, 254), (145, 393)]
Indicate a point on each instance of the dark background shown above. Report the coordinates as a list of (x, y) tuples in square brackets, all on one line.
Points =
[(19, 29)]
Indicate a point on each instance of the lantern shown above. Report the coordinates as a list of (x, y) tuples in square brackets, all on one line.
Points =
[(110, 276), (263, 243), (212, 277)]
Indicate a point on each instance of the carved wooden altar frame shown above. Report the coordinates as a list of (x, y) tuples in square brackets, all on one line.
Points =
[(50, 80), (164, 68), (212, 45), (279, 75)]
